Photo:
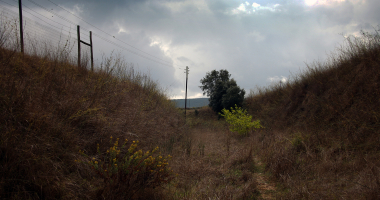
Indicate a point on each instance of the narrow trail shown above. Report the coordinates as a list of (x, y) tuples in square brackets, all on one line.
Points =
[(265, 186), (220, 166)]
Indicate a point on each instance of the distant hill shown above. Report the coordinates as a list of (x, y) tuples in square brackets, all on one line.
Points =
[(191, 103)]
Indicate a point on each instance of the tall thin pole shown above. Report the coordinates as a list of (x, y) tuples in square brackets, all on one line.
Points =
[(92, 53), (187, 73), (78, 34), (21, 30)]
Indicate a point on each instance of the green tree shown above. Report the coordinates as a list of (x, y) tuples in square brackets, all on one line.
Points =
[(223, 91), (233, 96)]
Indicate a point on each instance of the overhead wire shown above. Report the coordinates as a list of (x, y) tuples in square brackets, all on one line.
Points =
[(26, 19), (143, 56), (43, 30), (168, 63), (44, 15), (53, 13), (110, 34), (153, 59)]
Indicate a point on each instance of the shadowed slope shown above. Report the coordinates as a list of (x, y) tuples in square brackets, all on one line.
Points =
[(50, 110), (322, 128)]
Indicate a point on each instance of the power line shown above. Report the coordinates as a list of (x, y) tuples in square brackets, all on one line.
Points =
[(167, 63), (53, 13), (111, 42), (42, 30), (26, 19), (109, 34), (154, 59)]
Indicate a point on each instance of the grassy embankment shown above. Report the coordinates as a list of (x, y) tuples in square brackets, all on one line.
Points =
[(54, 112), (51, 109), (322, 136)]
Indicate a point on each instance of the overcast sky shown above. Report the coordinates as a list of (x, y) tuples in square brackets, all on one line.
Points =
[(258, 41)]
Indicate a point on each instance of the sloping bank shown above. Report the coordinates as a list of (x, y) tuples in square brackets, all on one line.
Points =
[(322, 128), (52, 110)]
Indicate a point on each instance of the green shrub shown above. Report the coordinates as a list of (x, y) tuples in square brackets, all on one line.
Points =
[(124, 175), (239, 120)]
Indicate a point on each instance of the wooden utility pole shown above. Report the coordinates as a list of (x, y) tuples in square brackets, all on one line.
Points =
[(21, 30), (78, 35), (92, 52), (187, 73)]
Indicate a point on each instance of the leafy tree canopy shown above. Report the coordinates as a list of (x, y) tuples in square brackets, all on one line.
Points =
[(223, 91)]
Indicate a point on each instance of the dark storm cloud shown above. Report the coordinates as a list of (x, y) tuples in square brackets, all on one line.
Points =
[(256, 41)]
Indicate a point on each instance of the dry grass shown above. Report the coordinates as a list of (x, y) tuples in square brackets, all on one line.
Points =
[(51, 109), (206, 169), (321, 139), (322, 129)]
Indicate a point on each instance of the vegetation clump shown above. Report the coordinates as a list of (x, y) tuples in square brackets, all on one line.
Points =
[(127, 171), (240, 121)]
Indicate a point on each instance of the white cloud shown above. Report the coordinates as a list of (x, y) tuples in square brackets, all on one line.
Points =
[(324, 2), (255, 5), (246, 8), (310, 2), (241, 8), (277, 79), (162, 44)]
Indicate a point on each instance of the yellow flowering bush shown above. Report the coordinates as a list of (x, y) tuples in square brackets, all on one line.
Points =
[(240, 121), (126, 171)]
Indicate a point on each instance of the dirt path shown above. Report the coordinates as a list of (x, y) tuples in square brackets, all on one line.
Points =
[(265, 186), (218, 168)]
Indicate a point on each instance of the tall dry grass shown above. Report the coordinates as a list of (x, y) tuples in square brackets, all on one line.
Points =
[(212, 164), (51, 109), (322, 127)]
